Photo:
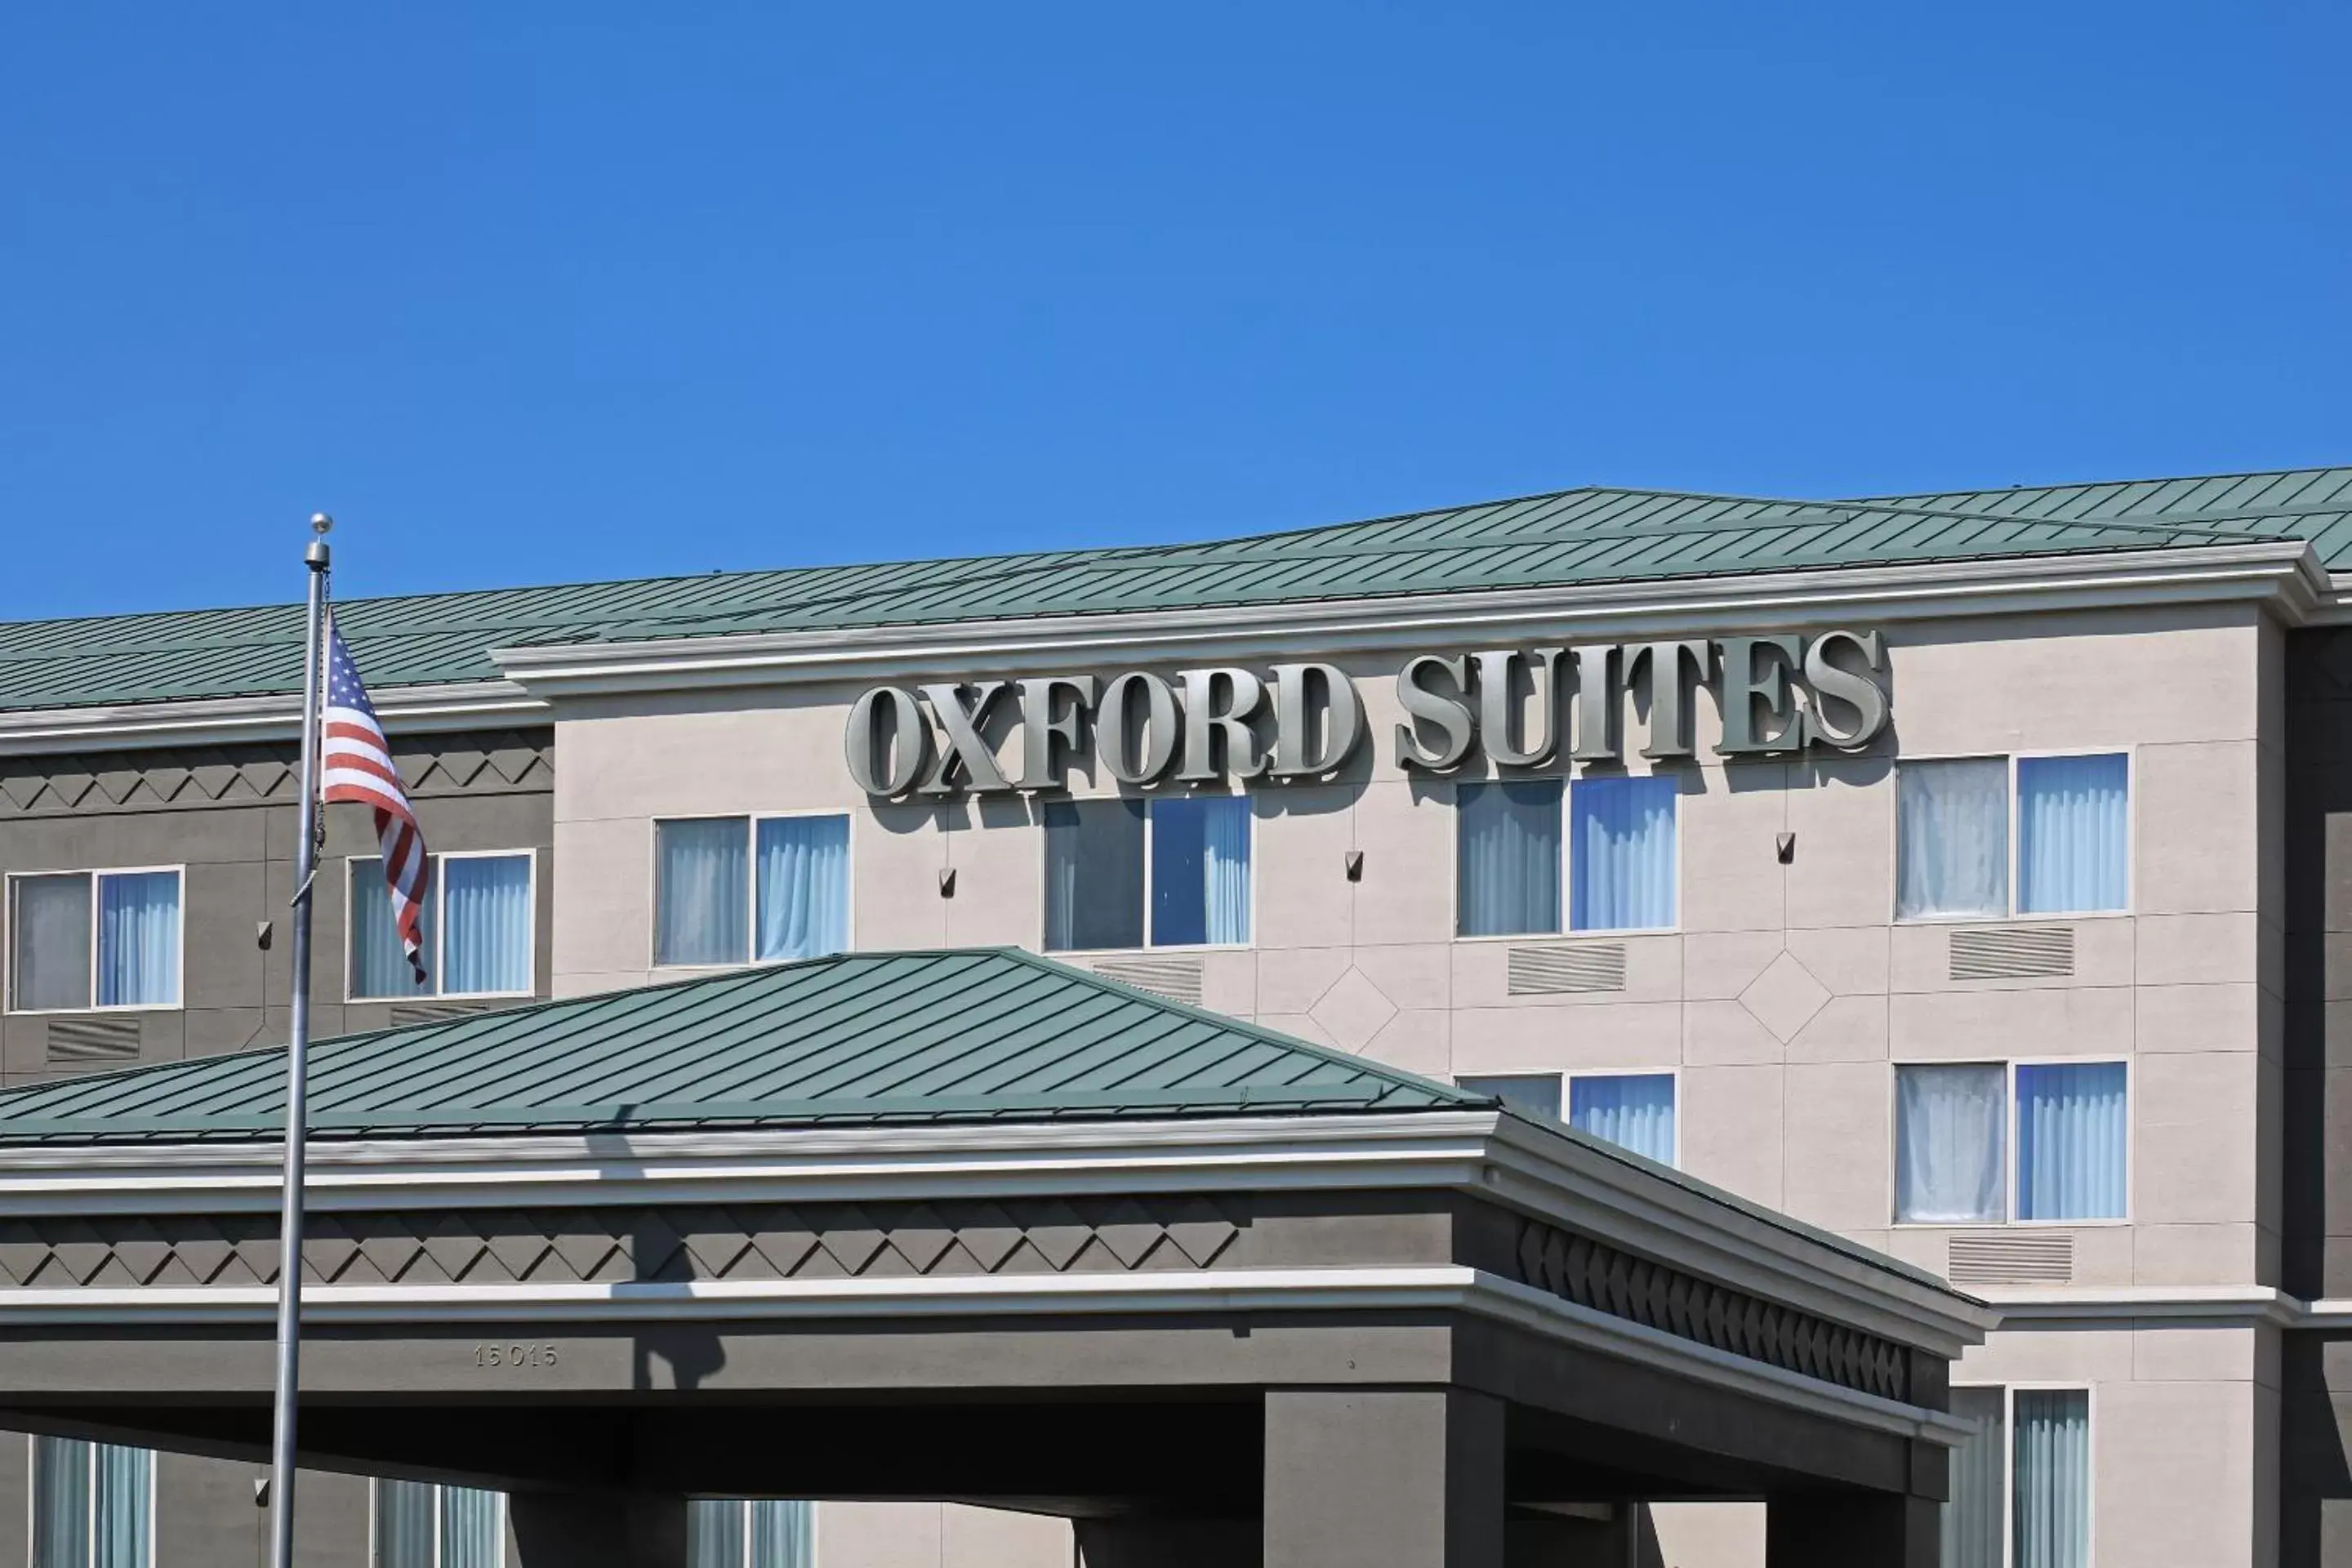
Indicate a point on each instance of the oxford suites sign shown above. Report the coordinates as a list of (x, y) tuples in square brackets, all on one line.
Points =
[(1519, 708)]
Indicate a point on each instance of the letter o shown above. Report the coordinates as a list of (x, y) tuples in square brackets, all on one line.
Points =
[(1127, 763), (886, 762)]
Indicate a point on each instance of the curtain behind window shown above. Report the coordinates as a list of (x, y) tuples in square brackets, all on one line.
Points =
[(2049, 1510), (469, 1528), (705, 897), (125, 1525), (52, 942), (714, 1532), (1634, 1112), (486, 908), (2071, 1133), (403, 1524), (1972, 1519), (1620, 852), (1199, 870), (1506, 871), (379, 966), (139, 939), (61, 1469), (1094, 875), (783, 1535), (1951, 857), (2074, 833), (1949, 1123), (803, 887)]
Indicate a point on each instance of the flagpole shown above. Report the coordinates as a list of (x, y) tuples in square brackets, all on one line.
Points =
[(298, 1044)]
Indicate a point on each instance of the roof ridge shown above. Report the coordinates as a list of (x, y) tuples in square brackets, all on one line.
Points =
[(2111, 484)]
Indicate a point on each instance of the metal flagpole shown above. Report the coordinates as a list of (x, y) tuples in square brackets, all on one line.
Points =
[(297, 1043)]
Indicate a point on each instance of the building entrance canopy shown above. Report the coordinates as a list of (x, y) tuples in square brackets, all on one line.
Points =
[(972, 1226)]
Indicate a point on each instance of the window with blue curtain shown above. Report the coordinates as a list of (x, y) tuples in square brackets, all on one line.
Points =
[(379, 966), (1951, 1127), (1621, 853), (1537, 1093), (727, 1532), (108, 939), (471, 1529), (2050, 1482), (407, 1524), (803, 879), (2074, 833), (1972, 1515), (1507, 862), (93, 1505), (1632, 1110), (702, 890), (139, 939), (486, 918), (2072, 1133), (1951, 839), (1094, 875), (1199, 870)]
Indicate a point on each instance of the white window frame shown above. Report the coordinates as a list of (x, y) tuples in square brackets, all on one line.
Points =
[(2009, 1392), (8, 934), (2129, 752), (440, 1500), (1568, 929), (751, 820), (2012, 1155), (33, 1495), (1568, 1077), (1045, 873), (434, 890)]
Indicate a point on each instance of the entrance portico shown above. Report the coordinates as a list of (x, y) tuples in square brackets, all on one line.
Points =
[(969, 1225)]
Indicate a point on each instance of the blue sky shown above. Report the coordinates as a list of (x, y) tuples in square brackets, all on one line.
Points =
[(539, 293)]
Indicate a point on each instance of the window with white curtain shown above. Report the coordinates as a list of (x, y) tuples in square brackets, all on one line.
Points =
[(418, 1524), (1975, 1513), (475, 927), (94, 939), (1506, 858), (747, 889), (1616, 852), (1160, 873), (1985, 1143), (2021, 1480), (1632, 1110), (93, 1505), (1986, 838), (730, 1533)]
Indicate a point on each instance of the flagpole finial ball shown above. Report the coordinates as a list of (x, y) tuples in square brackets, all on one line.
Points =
[(322, 524)]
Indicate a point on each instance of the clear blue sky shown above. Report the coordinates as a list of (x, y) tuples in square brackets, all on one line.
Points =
[(540, 292)]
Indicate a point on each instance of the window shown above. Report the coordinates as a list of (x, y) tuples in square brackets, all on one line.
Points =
[(2022, 1480), (475, 927), (1956, 1123), (765, 1533), (744, 889), (1960, 848), (420, 1525), (93, 1505), (1620, 855), (1183, 862), (94, 939), (1633, 1111)]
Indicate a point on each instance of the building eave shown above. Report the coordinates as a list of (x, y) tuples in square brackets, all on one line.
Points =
[(221, 720)]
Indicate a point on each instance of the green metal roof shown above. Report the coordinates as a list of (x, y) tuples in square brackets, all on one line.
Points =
[(1567, 538), (987, 1035)]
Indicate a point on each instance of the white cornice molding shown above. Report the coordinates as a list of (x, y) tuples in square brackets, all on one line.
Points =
[(2178, 1306), (2283, 577), (404, 709)]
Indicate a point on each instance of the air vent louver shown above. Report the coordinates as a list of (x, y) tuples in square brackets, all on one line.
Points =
[(2013, 1258), (1567, 966), (92, 1042), (2012, 952), (1178, 979)]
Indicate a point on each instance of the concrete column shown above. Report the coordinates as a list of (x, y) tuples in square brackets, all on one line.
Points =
[(1852, 1530), (1384, 1480), (596, 1530)]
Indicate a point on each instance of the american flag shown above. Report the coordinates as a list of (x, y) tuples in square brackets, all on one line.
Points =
[(355, 764)]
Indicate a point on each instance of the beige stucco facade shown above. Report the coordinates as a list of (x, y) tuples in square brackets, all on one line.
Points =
[(1781, 1001)]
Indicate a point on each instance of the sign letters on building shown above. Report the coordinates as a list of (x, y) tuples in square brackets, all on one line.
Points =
[(1520, 708)]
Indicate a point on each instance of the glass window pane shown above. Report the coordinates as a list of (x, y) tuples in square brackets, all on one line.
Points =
[(1506, 869), (124, 1522), (485, 907), (379, 965), (714, 1532), (2050, 1516), (61, 1477), (1620, 852), (1632, 1110), (2071, 1133), (1951, 856), (783, 1534), (1535, 1093), (403, 1524), (1199, 870), (703, 880), (52, 942), (139, 939), (1949, 1135), (2074, 833), (1094, 875), (1972, 1519), (803, 887), (469, 1528)]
